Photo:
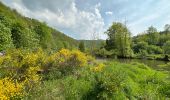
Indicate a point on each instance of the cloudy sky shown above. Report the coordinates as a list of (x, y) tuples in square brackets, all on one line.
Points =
[(80, 19)]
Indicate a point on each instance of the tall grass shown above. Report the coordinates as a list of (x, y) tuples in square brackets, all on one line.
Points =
[(115, 81)]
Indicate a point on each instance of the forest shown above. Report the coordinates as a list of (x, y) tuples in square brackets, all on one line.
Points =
[(38, 62)]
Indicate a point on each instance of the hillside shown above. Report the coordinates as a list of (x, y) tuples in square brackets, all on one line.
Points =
[(93, 43), (23, 32)]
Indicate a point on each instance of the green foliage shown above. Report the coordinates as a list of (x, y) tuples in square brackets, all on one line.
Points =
[(143, 53), (167, 28), (114, 82), (82, 79), (166, 47), (66, 61), (152, 43), (163, 38), (24, 37), (153, 35), (152, 49), (5, 21), (104, 53), (29, 33), (139, 46), (5, 37), (45, 36), (82, 46), (140, 38), (119, 40)]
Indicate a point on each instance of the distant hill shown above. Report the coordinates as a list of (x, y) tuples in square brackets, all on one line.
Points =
[(24, 32), (95, 43)]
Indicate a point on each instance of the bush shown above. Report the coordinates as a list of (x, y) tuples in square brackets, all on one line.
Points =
[(24, 37), (17, 62), (112, 81), (67, 61), (166, 47), (5, 38), (140, 46), (11, 89), (127, 81), (19, 70), (154, 49), (73, 75), (104, 53)]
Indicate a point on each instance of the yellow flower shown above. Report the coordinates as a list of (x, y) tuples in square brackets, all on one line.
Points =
[(10, 88), (98, 68)]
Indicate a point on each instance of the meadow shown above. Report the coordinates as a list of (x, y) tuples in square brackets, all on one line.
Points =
[(73, 75), (38, 62)]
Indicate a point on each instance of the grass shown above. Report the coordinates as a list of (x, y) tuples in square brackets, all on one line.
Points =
[(115, 81)]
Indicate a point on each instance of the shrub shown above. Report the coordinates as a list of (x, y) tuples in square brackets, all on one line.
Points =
[(104, 53), (166, 47), (11, 89), (67, 61), (154, 49), (17, 62), (21, 67), (98, 68), (127, 81), (5, 38)]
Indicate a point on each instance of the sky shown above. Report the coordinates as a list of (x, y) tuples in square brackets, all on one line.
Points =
[(82, 19)]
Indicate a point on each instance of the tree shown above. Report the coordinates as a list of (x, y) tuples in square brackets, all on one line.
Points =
[(5, 37), (167, 28), (65, 45), (152, 49), (138, 47), (5, 21), (119, 40), (153, 36), (151, 30), (45, 35), (82, 46), (94, 38), (166, 47), (23, 37)]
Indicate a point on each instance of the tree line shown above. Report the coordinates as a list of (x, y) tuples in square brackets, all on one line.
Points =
[(150, 43)]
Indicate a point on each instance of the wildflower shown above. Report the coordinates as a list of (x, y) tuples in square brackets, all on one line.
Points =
[(98, 68), (10, 88)]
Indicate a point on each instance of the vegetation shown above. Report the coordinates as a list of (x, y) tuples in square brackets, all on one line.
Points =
[(17, 31), (22, 71), (21, 32), (166, 47), (5, 37), (119, 40), (39, 62), (82, 46), (147, 45), (74, 75)]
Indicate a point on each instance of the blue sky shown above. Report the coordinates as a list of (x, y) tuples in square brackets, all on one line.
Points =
[(81, 19)]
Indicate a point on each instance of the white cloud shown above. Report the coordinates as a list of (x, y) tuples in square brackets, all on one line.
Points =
[(78, 23), (150, 16), (109, 13)]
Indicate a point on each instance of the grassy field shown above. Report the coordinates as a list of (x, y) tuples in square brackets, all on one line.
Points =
[(73, 75), (111, 80)]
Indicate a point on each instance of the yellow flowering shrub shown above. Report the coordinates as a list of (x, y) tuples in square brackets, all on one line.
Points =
[(11, 59), (23, 67), (36, 58), (66, 60), (10, 89), (31, 59), (98, 68), (32, 79)]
